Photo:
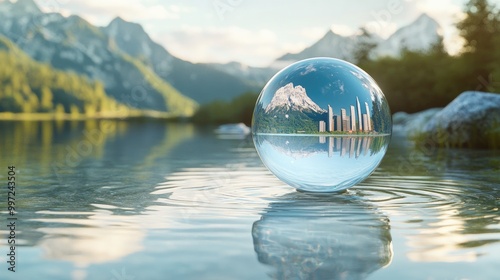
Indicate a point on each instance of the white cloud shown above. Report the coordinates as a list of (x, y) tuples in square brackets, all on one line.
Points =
[(222, 44), (101, 12), (312, 33), (342, 30), (251, 34), (296, 47), (382, 28)]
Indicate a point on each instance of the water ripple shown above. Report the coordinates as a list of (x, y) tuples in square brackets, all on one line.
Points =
[(221, 187)]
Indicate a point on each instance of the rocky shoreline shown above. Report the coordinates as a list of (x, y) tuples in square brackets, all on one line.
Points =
[(472, 120)]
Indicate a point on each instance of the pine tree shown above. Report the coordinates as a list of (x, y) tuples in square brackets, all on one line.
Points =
[(480, 30), (46, 99), (365, 47)]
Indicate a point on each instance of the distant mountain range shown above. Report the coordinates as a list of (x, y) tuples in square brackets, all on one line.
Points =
[(201, 82), (72, 44), (140, 73), (420, 35)]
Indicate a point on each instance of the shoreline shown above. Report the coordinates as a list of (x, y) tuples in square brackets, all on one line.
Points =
[(7, 116), (328, 135)]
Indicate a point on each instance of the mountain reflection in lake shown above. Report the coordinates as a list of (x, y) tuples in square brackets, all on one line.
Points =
[(112, 200), (321, 163)]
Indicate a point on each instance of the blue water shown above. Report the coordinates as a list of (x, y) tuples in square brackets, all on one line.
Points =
[(148, 200)]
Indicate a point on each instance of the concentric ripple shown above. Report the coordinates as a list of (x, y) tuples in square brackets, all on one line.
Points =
[(444, 217)]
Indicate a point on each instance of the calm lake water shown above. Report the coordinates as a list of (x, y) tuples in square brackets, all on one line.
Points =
[(131, 200)]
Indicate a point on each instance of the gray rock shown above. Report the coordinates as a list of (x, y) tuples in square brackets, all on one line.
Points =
[(471, 120), (399, 119), (412, 124)]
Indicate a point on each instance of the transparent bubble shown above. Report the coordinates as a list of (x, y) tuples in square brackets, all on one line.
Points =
[(321, 125)]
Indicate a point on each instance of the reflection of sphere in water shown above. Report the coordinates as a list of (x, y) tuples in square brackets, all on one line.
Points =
[(305, 236), (321, 125)]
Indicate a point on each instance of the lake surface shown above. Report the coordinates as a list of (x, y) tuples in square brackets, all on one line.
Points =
[(148, 200)]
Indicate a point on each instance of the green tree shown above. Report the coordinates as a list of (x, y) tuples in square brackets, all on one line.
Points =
[(239, 109), (46, 99), (27, 86), (364, 47), (59, 109), (480, 30), (242, 107), (74, 111)]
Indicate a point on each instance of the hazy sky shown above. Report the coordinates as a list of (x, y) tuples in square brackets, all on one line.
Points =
[(256, 32)]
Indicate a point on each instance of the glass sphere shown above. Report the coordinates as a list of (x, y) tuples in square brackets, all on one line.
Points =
[(321, 125)]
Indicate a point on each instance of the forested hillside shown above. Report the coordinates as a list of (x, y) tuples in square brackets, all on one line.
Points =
[(28, 86)]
